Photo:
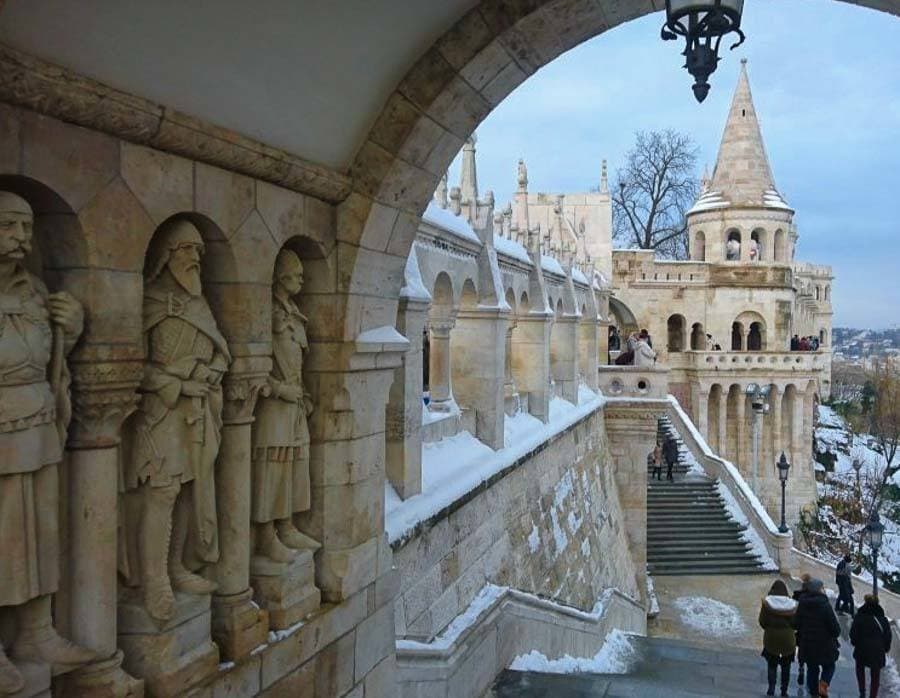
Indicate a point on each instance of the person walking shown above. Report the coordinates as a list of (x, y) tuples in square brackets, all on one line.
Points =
[(655, 460), (843, 579), (804, 581), (870, 636), (670, 453), (776, 618), (818, 630)]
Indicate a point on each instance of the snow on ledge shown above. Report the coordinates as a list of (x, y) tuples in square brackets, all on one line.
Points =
[(512, 249), (413, 286), (386, 334), (617, 656), (454, 466), (447, 220)]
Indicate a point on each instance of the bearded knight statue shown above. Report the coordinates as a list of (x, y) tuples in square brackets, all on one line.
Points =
[(169, 457), (37, 330), (281, 485)]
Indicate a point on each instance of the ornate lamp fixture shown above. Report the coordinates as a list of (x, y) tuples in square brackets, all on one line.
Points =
[(702, 23), (783, 469)]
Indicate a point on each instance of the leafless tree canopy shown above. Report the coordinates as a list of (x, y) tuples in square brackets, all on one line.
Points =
[(653, 190)]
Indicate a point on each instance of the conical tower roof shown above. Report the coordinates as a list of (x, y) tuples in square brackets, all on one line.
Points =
[(742, 176)]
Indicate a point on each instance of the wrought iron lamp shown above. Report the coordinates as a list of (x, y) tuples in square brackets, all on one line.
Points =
[(703, 24), (783, 468), (874, 532)]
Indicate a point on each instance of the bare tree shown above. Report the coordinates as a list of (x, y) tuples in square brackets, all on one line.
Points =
[(654, 189)]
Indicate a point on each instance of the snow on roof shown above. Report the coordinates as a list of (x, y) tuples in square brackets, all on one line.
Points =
[(578, 275), (708, 201), (446, 220), (552, 265), (773, 199), (511, 248)]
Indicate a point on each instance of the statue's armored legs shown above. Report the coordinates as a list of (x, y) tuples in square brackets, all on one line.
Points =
[(11, 681), (38, 641), (155, 534), (182, 578)]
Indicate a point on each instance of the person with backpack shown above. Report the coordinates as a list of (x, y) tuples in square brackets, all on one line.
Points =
[(870, 636), (818, 630)]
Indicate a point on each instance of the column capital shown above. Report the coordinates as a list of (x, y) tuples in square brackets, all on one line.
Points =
[(240, 393), (103, 396)]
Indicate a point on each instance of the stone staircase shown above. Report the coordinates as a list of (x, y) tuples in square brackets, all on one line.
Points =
[(689, 529), (675, 669)]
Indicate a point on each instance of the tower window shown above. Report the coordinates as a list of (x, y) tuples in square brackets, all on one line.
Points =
[(743, 112)]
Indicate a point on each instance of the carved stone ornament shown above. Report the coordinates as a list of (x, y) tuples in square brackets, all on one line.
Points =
[(37, 331), (171, 446)]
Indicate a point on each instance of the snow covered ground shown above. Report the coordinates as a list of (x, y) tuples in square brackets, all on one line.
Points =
[(454, 466), (710, 617)]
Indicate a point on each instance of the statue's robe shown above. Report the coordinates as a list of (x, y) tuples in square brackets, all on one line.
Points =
[(32, 435), (280, 438), (175, 438)]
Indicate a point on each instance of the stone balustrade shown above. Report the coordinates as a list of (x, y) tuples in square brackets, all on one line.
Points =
[(650, 382), (795, 361)]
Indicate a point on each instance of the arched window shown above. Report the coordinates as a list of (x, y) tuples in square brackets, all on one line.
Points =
[(737, 336), (818, 292), (733, 246), (823, 337), (699, 251), (756, 338), (675, 327), (780, 253), (828, 293), (758, 245), (698, 337)]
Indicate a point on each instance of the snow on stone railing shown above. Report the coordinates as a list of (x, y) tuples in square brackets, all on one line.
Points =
[(805, 361), (778, 545)]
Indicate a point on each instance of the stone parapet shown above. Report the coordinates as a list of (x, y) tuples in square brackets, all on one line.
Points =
[(650, 382)]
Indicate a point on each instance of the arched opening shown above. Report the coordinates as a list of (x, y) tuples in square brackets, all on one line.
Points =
[(623, 318), (758, 245), (675, 326), (756, 337), (818, 293), (734, 427), (698, 251), (828, 293), (510, 394), (733, 245), (780, 253), (698, 337), (737, 336), (823, 337)]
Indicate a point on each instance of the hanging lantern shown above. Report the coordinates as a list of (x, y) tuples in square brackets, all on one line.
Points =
[(702, 24)]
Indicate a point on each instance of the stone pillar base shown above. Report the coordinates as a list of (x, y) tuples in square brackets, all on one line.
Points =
[(103, 679), (239, 626), (173, 656), (287, 591), (37, 680)]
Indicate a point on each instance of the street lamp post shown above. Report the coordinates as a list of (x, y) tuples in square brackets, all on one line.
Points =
[(874, 532), (783, 468)]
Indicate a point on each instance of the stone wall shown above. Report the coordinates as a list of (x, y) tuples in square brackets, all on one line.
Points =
[(552, 526)]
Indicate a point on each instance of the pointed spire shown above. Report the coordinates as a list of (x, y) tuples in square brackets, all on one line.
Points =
[(522, 178), (742, 174), (440, 194), (604, 182)]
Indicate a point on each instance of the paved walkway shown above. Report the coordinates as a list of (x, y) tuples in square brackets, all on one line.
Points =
[(680, 660)]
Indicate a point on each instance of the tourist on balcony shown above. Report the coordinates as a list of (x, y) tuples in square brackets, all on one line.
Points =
[(795, 343), (615, 341), (645, 334), (844, 580), (804, 344), (818, 630), (776, 618), (643, 352), (870, 636)]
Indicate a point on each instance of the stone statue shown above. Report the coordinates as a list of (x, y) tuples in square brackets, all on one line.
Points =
[(171, 448), (37, 330), (732, 250), (280, 435)]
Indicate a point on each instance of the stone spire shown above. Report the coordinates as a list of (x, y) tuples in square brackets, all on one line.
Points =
[(440, 194), (468, 177), (742, 174), (604, 181)]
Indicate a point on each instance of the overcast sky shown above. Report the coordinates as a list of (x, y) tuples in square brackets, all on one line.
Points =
[(826, 83)]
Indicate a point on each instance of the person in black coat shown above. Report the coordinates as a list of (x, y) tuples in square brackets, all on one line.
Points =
[(670, 452), (818, 630), (801, 669), (844, 581), (870, 636)]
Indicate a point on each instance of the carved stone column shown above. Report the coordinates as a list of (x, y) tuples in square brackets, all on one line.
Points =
[(440, 368), (478, 348), (722, 426), (510, 394), (564, 357), (103, 396), (740, 457), (588, 343), (403, 437), (238, 624), (531, 361)]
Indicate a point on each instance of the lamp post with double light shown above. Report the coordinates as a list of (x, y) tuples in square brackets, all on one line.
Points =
[(759, 406), (703, 24)]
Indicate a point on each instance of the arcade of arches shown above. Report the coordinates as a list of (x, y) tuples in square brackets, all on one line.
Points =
[(226, 354)]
